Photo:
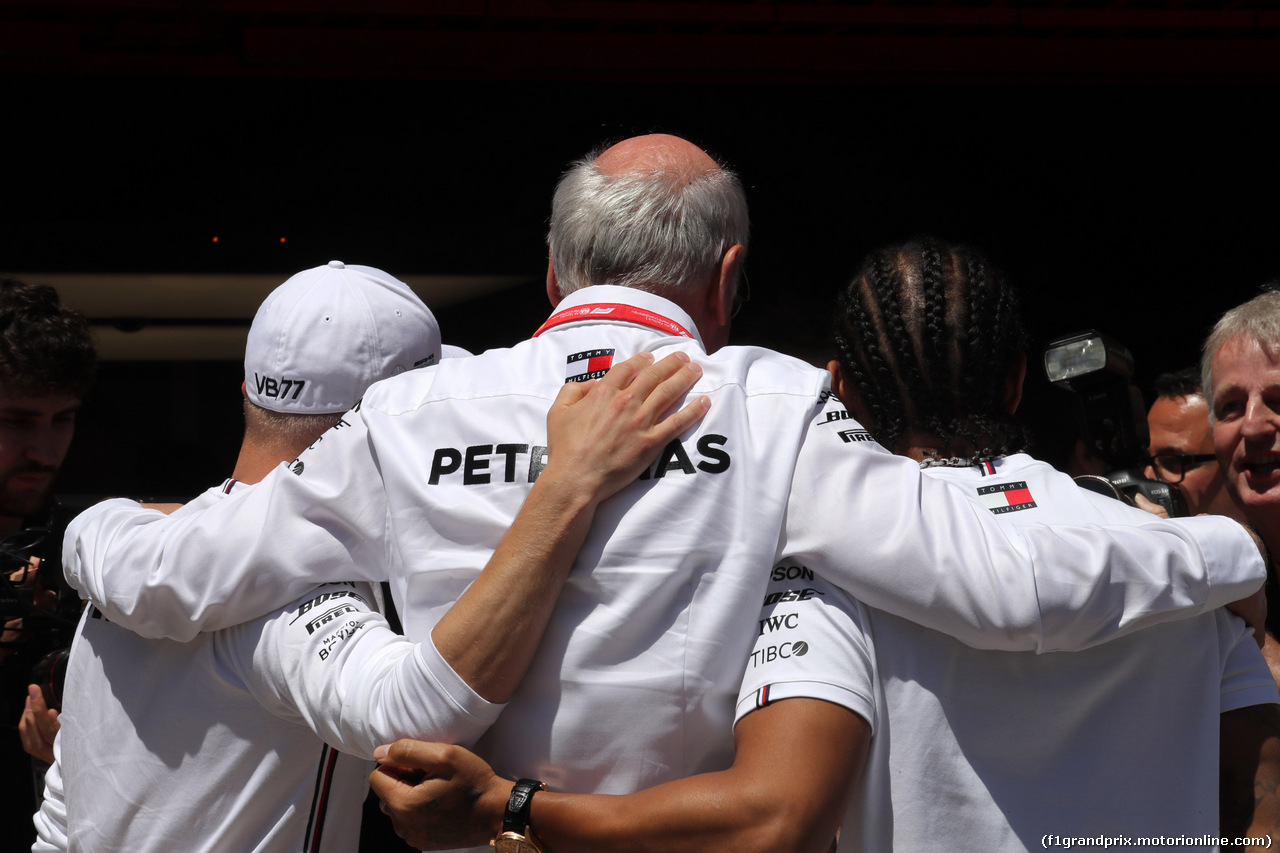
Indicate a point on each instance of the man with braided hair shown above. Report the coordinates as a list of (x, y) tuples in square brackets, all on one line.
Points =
[(1002, 750), (957, 748)]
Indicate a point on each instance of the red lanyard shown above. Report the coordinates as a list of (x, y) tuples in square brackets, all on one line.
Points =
[(615, 311)]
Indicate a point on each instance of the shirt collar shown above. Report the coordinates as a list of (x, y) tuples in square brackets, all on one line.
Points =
[(603, 293)]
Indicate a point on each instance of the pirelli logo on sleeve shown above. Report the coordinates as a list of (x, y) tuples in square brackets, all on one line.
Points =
[(1006, 497), (591, 364)]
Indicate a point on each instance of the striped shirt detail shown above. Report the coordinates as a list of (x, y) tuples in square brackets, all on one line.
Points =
[(320, 800)]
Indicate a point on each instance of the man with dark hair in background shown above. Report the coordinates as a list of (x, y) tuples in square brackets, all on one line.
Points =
[(47, 363), (1181, 445)]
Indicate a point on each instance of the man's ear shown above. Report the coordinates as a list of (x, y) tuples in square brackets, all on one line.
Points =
[(837, 379), (553, 286), (847, 394), (724, 289), (1013, 383), (244, 390)]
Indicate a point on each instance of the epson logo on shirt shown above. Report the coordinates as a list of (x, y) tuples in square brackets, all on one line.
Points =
[(281, 389), (792, 573)]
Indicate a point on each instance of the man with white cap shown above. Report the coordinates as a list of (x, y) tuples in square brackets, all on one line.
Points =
[(212, 744)]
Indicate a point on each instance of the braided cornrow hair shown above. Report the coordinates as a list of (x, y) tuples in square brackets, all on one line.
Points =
[(927, 332)]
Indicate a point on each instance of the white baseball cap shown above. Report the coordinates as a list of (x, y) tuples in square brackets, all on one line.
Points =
[(328, 333)]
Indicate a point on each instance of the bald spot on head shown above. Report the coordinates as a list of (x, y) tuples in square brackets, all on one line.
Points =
[(657, 152)]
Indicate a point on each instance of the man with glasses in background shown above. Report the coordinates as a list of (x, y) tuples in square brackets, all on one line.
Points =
[(1180, 453), (1181, 445)]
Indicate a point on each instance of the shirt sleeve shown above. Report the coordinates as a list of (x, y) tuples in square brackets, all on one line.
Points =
[(910, 545), (811, 644), (51, 819), (222, 562), (1246, 679), (331, 662)]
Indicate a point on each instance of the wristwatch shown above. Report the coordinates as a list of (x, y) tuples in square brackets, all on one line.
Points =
[(516, 836)]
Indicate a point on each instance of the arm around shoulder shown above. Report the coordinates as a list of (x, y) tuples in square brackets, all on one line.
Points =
[(959, 569)]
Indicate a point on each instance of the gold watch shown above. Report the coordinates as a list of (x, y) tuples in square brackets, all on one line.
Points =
[(516, 836)]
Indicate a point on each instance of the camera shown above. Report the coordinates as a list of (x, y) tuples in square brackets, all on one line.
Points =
[(1111, 414), (48, 607), (45, 542)]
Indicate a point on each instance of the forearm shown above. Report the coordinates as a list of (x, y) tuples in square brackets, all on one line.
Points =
[(1157, 572), (224, 559), (707, 812), (1249, 780), (1271, 654), (796, 764), (332, 663), (490, 634), (148, 571), (957, 568)]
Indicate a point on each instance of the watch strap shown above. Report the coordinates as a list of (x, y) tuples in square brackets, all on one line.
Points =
[(516, 816)]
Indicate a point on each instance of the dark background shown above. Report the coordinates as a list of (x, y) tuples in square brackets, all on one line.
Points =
[(1117, 159)]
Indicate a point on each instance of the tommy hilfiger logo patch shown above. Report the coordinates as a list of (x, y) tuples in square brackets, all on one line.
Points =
[(591, 364), (1006, 497)]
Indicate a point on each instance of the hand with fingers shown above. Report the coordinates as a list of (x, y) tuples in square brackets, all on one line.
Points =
[(38, 726), (439, 796), (602, 434)]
